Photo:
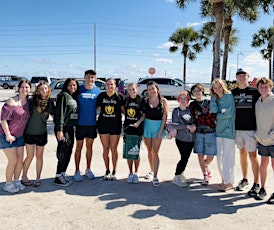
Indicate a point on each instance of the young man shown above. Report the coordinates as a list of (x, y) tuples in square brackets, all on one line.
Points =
[(265, 131), (86, 127), (245, 98)]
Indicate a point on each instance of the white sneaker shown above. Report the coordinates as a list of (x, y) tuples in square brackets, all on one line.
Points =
[(186, 180), (19, 185), (135, 178), (10, 188), (77, 176), (130, 178), (89, 174), (179, 182), (149, 176)]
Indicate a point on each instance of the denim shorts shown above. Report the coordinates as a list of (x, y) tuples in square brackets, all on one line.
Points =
[(152, 127), (266, 151), (19, 142), (246, 139), (205, 144)]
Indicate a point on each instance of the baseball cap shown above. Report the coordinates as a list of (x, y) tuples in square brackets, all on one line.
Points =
[(240, 71)]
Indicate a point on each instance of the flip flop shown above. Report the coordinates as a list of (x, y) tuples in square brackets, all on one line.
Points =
[(37, 183), (26, 183)]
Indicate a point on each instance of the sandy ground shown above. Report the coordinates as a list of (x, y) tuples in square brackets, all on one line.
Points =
[(98, 204)]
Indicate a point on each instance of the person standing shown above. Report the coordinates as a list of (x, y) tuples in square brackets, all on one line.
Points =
[(109, 125), (222, 103), (155, 108), (35, 134), (182, 117), (14, 117), (245, 98), (205, 136), (133, 131), (264, 110), (86, 124), (65, 120)]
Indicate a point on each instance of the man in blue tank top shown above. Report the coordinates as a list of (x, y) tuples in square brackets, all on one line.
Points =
[(86, 127)]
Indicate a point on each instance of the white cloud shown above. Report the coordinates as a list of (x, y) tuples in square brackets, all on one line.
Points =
[(169, 1), (165, 60), (165, 45), (193, 24)]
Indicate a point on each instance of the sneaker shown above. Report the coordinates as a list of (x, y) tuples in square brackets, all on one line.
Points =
[(206, 179), (155, 182), (261, 195), (10, 188), (149, 176), (135, 178), (60, 180), (19, 185), (66, 177), (113, 175), (130, 178), (242, 185), (89, 174), (77, 176), (208, 171), (107, 175), (254, 190), (186, 180), (271, 199), (177, 180)]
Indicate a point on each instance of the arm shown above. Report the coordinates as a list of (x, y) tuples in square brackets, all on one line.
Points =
[(164, 118), (5, 126), (230, 109)]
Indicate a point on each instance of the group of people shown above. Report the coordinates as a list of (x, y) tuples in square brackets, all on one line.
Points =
[(207, 127)]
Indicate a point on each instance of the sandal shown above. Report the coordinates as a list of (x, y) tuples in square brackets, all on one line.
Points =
[(37, 183), (26, 182), (149, 176), (155, 182), (226, 188)]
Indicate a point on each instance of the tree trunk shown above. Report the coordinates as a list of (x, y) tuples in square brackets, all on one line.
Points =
[(184, 72)]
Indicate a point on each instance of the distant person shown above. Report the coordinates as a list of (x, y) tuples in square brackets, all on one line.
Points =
[(245, 97), (264, 133), (35, 135), (109, 125), (65, 120), (86, 125), (205, 136), (183, 122), (155, 108), (14, 117), (133, 131), (222, 103)]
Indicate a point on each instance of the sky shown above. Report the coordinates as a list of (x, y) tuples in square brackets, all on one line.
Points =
[(117, 38)]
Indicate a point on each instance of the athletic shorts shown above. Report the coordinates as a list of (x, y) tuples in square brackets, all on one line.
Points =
[(19, 142), (40, 140), (112, 128), (246, 139), (205, 143), (266, 151), (152, 127), (85, 131)]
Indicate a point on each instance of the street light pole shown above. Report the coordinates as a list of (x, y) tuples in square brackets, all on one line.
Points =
[(238, 58)]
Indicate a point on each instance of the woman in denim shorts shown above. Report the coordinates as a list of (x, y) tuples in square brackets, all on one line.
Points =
[(14, 117)]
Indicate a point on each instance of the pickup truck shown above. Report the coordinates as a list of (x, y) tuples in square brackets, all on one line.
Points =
[(36, 79)]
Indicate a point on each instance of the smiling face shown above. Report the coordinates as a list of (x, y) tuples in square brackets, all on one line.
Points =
[(152, 90), (72, 87), (242, 79), (89, 80), (218, 89), (264, 90), (24, 89), (132, 90), (43, 90), (110, 86)]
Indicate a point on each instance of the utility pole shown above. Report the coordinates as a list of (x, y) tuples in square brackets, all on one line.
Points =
[(94, 50)]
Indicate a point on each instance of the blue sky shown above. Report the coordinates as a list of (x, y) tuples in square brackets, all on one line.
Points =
[(56, 38)]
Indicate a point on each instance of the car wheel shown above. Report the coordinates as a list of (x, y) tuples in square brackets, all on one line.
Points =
[(145, 93), (5, 86)]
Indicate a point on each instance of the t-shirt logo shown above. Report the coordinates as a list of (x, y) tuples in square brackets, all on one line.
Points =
[(109, 109), (131, 112)]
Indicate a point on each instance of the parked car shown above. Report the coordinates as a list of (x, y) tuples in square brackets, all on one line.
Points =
[(57, 85), (36, 79), (169, 87), (9, 81)]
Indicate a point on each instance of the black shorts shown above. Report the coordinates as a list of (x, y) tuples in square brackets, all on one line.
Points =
[(108, 127), (85, 131), (40, 140)]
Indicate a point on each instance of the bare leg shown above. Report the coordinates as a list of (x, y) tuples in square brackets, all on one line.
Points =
[(244, 162), (26, 164), (89, 144), (77, 155), (12, 160), (263, 169), (114, 141), (255, 166), (105, 139), (39, 161), (19, 163)]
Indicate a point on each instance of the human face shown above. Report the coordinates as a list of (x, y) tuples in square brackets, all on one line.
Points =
[(218, 89), (198, 94), (43, 90), (152, 91), (242, 78), (24, 89), (183, 100), (72, 87), (132, 91), (90, 79), (110, 86), (264, 90)]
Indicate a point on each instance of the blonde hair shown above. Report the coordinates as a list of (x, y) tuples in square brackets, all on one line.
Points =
[(265, 81), (222, 83)]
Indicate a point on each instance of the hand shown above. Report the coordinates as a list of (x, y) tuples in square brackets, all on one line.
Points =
[(10, 139), (60, 136)]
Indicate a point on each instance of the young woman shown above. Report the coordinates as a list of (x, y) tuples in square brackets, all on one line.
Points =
[(222, 103), (65, 120), (155, 110), (133, 131), (182, 117), (205, 137), (14, 117), (35, 134), (109, 125)]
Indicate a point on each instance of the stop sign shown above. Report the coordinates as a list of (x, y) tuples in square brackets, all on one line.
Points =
[(151, 70)]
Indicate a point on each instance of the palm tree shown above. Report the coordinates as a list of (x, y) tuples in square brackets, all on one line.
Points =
[(186, 39), (264, 37)]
